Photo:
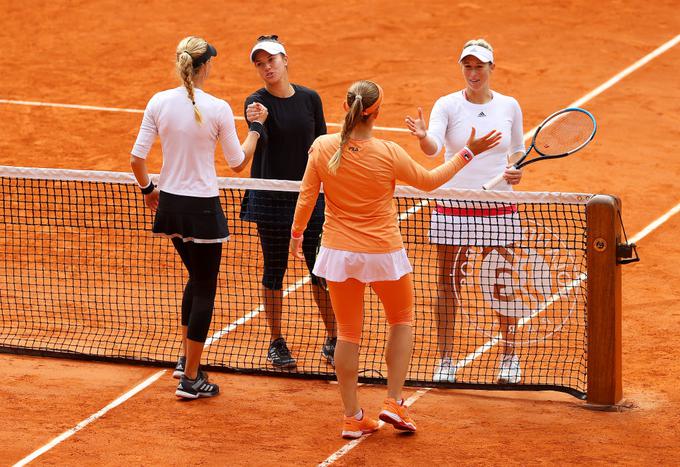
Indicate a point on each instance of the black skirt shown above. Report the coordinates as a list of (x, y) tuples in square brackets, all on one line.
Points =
[(200, 220)]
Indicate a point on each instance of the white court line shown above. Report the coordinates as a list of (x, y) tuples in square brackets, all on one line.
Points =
[(355, 442), (598, 90), (68, 433), (244, 319), (139, 111), (71, 106), (619, 76), (654, 225)]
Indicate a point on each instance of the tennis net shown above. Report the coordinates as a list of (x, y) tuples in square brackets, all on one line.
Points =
[(82, 277)]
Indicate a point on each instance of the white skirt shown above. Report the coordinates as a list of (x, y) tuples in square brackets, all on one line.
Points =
[(498, 227), (340, 265)]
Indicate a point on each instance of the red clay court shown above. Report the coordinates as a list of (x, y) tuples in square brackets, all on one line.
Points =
[(114, 57)]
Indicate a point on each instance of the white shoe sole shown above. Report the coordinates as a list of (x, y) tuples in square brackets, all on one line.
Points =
[(188, 395), (352, 434), (287, 366), (396, 421), (438, 378)]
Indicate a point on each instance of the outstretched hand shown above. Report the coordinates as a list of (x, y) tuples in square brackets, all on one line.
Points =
[(417, 126), (484, 143)]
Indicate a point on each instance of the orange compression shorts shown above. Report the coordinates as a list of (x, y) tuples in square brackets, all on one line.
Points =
[(348, 304)]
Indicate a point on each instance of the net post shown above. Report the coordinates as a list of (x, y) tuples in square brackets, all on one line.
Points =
[(604, 301)]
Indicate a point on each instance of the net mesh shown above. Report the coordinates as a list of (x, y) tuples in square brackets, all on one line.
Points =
[(564, 133), (82, 276)]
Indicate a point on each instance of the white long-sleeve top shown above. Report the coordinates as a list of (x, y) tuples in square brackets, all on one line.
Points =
[(189, 146), (451, 120)]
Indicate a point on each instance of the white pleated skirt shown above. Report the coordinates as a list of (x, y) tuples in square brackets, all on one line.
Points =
[(340, 265), (495, 227)]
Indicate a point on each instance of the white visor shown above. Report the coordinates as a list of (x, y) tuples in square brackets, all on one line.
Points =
[(270, 47), (482, 53)]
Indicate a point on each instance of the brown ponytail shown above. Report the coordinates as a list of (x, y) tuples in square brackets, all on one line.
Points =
[(363, 98)]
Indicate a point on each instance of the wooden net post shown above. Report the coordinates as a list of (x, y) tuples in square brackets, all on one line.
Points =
[(604, 301)]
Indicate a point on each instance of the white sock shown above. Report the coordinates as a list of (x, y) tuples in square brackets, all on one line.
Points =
[(359, 415)]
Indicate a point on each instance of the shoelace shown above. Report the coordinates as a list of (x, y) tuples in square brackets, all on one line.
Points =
[(280, 350)]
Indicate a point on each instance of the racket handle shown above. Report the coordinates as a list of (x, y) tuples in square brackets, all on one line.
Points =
[(493, 182)]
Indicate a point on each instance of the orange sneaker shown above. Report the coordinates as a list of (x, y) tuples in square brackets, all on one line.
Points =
[(353, 428), (397, 415)]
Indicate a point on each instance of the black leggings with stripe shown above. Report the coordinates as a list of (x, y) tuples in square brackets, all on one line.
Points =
[(202, 260)]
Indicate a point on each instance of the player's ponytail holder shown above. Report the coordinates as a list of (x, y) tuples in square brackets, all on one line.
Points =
[(370, 109)]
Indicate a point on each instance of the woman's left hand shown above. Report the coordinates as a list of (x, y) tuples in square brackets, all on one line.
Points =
[(151, 200), (296, 247), (512, 176)]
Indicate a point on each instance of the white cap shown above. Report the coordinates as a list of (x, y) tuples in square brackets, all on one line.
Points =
[(270, 47), (482, 53)]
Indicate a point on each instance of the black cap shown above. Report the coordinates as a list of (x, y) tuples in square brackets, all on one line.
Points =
[(207, 55)]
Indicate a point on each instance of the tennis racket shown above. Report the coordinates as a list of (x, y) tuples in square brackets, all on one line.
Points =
[(561, 134)]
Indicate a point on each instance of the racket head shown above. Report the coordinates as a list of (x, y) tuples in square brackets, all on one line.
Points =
[(564, 132)]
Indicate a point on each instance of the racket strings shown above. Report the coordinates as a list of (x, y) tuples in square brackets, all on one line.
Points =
[(564, 133)]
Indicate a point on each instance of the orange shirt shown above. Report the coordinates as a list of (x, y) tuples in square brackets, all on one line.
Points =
[(360, 211)]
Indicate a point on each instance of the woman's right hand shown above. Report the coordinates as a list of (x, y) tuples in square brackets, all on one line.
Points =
[(256, 112), (417, 126), (484, 143)]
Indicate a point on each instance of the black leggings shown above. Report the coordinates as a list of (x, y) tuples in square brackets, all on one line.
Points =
[(202, 260), (275, 241)]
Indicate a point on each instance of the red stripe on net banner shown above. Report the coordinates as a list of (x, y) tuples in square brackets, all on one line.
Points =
[(476, 212)]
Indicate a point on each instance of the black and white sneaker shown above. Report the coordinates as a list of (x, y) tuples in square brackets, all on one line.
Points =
[(179, 368), (199, 387), (328, 349), (279, 355)]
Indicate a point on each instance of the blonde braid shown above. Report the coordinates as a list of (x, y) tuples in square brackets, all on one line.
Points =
[(189, 48)]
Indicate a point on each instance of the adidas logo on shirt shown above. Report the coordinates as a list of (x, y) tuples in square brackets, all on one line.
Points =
[(481, 114)]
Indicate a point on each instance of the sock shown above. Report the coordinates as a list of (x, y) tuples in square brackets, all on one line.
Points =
[(359, 415)]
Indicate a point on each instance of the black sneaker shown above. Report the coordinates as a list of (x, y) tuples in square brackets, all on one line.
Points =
[(179, 368), (279, 354), (328, 349), (199, 387)]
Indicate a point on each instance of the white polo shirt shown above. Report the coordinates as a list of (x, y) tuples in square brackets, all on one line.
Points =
[(189, 146), (451, 120)]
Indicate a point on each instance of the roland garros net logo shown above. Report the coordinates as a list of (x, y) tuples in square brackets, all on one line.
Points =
[(535, 281)]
